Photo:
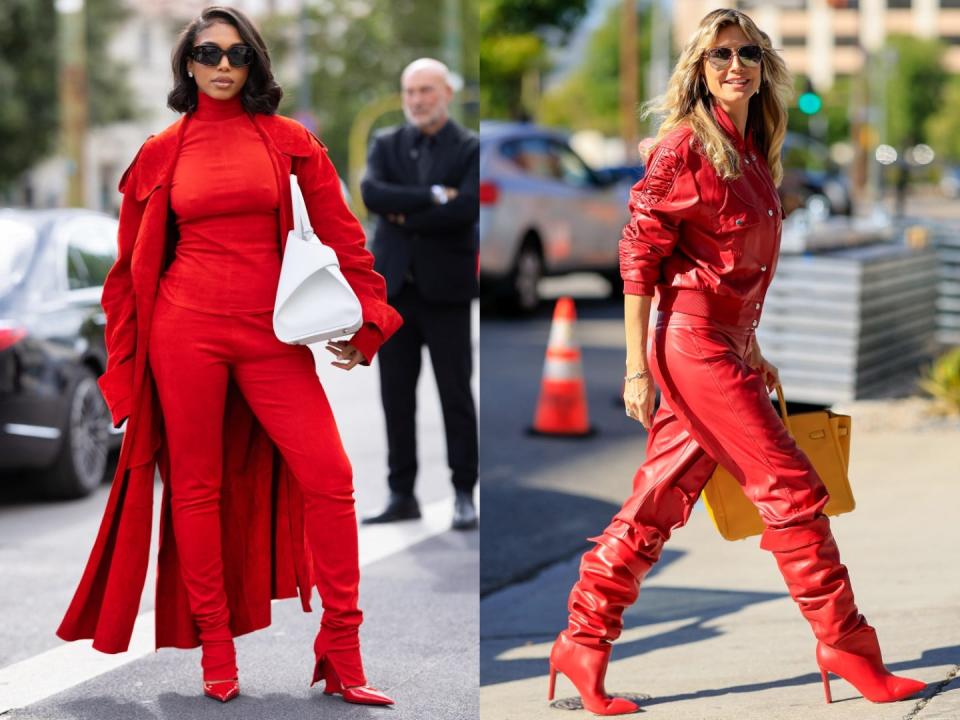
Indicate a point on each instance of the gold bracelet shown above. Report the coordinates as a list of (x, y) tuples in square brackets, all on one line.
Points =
[(637, 375)]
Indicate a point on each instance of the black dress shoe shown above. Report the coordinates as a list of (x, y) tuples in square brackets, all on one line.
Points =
[(399, 507), (464, 513)]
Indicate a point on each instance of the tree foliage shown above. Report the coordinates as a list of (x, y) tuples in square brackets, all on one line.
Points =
[(357, 51), (943, 127), (109, 96), (513, 46), (29, 113), (915, 81), (28, 66), (590, 97)]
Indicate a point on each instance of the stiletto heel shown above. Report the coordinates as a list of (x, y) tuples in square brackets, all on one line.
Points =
[(826, 685), (859, 662), (359, 692), (585, 667), (553, 683)]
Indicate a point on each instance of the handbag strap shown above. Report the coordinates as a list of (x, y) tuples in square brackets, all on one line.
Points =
[(783, 408), (301, 220)]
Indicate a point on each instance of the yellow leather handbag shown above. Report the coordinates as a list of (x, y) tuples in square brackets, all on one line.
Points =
[(823, 436)]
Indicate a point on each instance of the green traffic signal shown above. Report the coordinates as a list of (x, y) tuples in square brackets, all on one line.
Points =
[(810, 103)]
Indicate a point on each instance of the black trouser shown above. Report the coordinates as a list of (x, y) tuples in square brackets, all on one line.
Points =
[(445, 329)]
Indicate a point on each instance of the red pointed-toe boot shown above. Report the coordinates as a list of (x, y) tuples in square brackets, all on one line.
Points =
[(219, 662), (338, 664), (819, 583), (610, 575), (586, 668)]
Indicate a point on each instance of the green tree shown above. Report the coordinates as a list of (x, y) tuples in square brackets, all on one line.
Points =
[(513, 47), (590, 97), (914, 83), (109, 97), (359, 50), (28, 67), (943, 127), (29, 113)]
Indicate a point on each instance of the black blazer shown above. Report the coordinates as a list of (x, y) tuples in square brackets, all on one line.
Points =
[(437, 243)]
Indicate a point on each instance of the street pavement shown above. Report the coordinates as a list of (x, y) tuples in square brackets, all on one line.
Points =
[(419, 595), (714, 635)]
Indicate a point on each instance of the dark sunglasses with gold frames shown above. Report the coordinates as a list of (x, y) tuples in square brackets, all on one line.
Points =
[(721, 57)]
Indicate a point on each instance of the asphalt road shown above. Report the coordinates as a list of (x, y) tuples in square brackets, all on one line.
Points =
[(419, 595), (546, 495)]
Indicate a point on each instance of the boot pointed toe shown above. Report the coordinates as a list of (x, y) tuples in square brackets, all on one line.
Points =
[(222, 690)]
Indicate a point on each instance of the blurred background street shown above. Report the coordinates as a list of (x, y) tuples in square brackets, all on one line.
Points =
[(863, 317), (85, 83)]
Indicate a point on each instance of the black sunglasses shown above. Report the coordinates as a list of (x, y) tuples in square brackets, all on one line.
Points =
[(237, 55), (719, 58)]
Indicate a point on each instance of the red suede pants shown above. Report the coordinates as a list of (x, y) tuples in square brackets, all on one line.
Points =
[(714, 407), (192, 355)]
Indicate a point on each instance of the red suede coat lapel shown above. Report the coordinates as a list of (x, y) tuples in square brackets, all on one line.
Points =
[(265, 555)]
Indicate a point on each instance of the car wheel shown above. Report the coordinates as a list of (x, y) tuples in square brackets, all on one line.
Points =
[(82, 463), (527, 271)]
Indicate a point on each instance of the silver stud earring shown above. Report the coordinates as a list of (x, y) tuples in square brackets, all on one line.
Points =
[(189, 74)]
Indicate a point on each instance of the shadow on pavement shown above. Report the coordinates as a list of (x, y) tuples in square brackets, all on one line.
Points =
[(527, 529), (937, 656), (656, 605)]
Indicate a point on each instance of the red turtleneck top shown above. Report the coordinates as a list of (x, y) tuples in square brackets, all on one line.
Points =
[(225, 198)]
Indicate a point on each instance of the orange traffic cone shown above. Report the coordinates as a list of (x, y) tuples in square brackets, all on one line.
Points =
[(562, 408)]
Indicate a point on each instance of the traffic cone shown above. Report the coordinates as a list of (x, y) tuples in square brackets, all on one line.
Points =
[(562, 407)]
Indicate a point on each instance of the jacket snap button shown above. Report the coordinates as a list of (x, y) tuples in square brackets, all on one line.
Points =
[(763, 268), (754, 323), (770, 212), (757, 306), (739, 221)]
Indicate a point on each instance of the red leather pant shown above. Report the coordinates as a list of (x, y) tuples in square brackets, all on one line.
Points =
[(192, 355), (713, 407)]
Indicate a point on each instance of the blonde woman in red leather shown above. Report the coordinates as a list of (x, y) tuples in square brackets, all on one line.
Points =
[(705, 233)]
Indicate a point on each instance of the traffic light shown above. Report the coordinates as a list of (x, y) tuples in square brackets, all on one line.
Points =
[(809, 103)]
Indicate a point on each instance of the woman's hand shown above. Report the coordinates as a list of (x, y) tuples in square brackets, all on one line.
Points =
[(347, 355), (638, 397), (768, 371)]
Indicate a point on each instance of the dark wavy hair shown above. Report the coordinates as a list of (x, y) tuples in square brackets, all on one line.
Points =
[(260, 93)]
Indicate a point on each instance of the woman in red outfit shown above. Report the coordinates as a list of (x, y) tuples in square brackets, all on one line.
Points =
[(229, 412), (705, 232)]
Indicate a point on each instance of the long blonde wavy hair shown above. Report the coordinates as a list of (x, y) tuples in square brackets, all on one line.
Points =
[(688, 102)]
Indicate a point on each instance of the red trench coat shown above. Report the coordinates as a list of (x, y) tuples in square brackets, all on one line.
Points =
[(264, 551)]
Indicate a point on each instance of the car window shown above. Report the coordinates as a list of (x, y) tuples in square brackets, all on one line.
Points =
[(532, 156), (91, 250), (17, 243), (572, 171)]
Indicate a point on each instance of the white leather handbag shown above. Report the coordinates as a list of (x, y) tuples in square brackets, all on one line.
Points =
[(314, 301)]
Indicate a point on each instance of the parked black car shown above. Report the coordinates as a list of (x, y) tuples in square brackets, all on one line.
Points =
[(811, 178), (52, 416)]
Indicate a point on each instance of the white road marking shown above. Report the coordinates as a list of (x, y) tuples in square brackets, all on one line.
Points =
[(70, 664)]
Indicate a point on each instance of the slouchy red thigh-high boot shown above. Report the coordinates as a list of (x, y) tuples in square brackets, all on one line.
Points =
[(666, 487), (846, 645)]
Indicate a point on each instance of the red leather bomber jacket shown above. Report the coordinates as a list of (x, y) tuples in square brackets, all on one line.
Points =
[(709, 247)]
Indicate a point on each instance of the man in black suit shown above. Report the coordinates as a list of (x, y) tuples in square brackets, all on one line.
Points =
[(423, 181)]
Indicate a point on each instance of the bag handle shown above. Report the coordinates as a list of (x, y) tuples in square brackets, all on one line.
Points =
[(783, 408), (301, 220)]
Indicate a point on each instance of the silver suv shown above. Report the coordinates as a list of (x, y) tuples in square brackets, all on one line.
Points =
[(543, 211)]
